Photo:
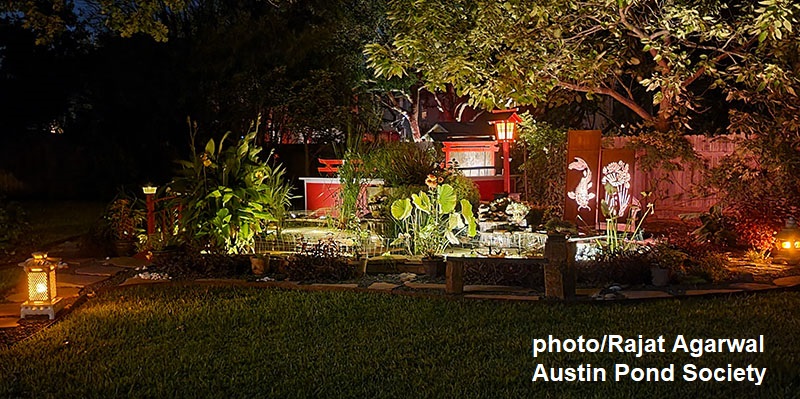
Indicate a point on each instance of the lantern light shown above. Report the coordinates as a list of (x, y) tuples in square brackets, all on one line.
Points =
[(42, 299), (149, 189), (504, 129), (787, 243)]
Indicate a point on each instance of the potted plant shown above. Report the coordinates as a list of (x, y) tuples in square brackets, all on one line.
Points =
[(123, 221), (430, 223)]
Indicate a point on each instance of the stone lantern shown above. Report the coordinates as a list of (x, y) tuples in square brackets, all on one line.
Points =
[(787, 243)]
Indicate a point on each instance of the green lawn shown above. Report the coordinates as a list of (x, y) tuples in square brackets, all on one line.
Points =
[(200, 341), (53, 221), (10, 278)]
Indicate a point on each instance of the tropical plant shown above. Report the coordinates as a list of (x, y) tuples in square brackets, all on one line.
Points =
[(430, 223), (124, 219), (227, 194), (715, 227)]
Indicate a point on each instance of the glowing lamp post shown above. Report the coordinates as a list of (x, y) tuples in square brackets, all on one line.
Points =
[(505, 130), (787, 242), (42, 299), (149, 191)]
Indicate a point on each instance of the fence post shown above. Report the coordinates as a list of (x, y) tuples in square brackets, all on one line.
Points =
[(559, 272)]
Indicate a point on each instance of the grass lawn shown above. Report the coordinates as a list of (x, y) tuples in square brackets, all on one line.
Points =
[(10, 278), (202, 341), (53, 221)]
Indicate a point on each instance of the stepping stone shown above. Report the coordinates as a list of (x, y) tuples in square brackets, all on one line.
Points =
[(424, 286), (787, 281), (335, 285), (753, 286), (645, 294), (18, 297), (81, 262), (587, 291), (68, 292), (98, 270), (128, 262), (139, 281), (708, 292), (9, 310), (9, 322), (77, 281), (383, 286), (503, 297), (494, 288)]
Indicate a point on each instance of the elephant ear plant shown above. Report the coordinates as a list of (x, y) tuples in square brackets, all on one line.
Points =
[(430, 223), (228, 194)]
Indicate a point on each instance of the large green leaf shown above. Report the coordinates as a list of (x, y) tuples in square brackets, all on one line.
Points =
[(210, 147), (422, 201), (446, 198), (469, 217), (401, 209), (454, 221)]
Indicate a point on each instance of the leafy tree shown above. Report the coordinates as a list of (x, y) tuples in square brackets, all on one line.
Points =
[(652, 57), (52, 18)]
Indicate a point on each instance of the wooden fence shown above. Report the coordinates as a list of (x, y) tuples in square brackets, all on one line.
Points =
[(680, 191)]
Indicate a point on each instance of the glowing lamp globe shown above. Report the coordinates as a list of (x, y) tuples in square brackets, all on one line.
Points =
[(42, 299), (787, 243)]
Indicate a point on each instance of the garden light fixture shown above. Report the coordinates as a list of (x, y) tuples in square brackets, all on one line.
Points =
[(42, 300), (505, 130), (787, 243), (149, 191)]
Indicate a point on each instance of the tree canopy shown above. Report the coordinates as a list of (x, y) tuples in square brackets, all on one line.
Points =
[(654, 57)]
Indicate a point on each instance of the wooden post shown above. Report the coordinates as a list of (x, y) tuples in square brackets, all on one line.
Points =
[(454, 277), (559, 272)]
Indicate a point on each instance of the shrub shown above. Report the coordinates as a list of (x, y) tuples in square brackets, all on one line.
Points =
[(544, 167), (401, 163), (323, 260), (712, 268), (13, 221), (188, 261), (228, 194), (124, 219), (623, 266), (715, 227)]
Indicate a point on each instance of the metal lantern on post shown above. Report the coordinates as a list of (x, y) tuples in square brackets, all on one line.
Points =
[(42, 299), (787, 242), (149, 191), (505, 130)]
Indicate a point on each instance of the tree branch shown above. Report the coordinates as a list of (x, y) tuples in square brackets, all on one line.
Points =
[(632, 105)]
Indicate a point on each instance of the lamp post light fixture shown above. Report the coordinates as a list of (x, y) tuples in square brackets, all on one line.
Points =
[(149, 191), (787, 243), (42, 299), (505, 130)]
